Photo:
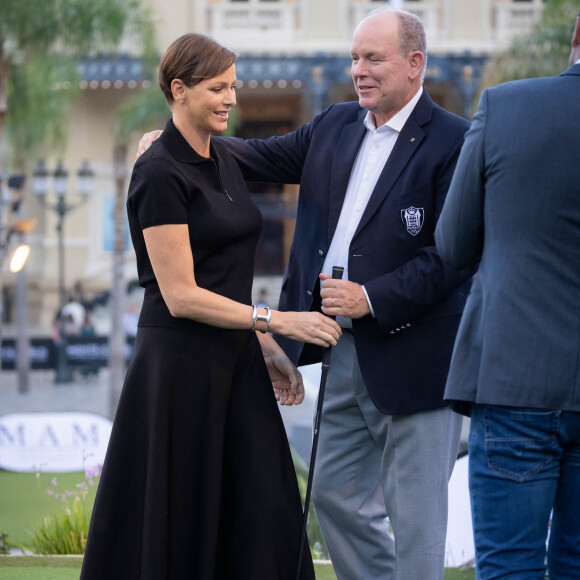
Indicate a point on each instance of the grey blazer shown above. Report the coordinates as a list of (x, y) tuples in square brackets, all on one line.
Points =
[(514, 207)]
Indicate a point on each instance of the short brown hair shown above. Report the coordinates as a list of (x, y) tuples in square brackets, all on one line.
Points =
[(193, 58)]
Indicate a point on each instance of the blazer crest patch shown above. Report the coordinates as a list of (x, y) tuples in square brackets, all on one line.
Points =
[(412, 218)]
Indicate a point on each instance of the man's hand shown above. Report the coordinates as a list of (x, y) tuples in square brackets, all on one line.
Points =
[(146, 142), (343, 298)]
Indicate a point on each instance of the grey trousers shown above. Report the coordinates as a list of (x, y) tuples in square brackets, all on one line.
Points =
[(371, 466)]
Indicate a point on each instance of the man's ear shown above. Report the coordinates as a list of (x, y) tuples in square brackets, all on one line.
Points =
[(416, 60), (575, 54)]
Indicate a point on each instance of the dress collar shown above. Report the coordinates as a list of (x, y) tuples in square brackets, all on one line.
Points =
[(179, 148)]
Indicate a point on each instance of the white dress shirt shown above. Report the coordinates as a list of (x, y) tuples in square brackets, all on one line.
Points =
[(374, 152)]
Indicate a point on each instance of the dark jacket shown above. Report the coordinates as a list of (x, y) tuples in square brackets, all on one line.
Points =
[(404, 352), (514, 206)]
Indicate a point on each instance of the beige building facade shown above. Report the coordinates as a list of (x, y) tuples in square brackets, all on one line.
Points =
[(294, 61)]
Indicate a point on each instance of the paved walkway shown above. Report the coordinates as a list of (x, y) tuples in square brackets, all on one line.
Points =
[(86, 395), (91, 395)]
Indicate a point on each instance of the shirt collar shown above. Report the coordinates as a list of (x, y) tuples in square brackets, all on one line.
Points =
[(397, 121), (179, 148)]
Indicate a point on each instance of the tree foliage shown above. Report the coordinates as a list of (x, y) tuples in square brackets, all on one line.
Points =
[(543, 51), (38, 105), (148, 110), (40, 41)]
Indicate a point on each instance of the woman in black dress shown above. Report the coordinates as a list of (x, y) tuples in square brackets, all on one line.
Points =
[(198, 482)]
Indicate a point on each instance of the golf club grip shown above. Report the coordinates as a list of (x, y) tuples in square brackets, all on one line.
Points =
[(337, 272)]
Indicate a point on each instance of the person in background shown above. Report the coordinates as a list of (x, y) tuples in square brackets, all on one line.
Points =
[(131, 320), (514, 208), (88, 329), (262, 298), (55, 331), (73, 314), (69, 326), (198, 481)]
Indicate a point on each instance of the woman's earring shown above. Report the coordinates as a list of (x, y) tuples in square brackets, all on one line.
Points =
[(181, 101)]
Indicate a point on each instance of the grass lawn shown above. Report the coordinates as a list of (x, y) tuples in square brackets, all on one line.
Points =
[(325, 572), (24, 501), (67, 568), (40, 568), (23, 504)]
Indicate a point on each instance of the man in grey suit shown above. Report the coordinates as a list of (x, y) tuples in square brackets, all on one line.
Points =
[(514, 207)]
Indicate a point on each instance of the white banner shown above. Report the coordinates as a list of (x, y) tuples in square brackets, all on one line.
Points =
[(53, 442)]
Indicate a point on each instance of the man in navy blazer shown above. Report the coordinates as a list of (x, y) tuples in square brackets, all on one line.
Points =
[(373, 177), (514, 207)]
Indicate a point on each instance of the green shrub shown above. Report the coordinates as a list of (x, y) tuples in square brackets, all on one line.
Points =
[(3, 543), (65, 532)]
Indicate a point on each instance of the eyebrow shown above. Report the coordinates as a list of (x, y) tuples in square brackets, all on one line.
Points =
[(223, 83), (365, 55)]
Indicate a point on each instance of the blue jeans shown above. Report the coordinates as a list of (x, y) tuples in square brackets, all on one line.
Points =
[(524, 463)]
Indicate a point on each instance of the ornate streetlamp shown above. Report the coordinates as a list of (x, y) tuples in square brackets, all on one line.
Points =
[(62, 207)]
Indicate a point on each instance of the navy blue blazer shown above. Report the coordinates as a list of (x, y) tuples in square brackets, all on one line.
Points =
[(404, 352), (514, 207)]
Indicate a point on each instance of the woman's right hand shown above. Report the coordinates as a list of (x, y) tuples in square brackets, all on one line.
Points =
[(312, 327)]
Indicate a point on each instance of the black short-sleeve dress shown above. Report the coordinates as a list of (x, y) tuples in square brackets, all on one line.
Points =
[(198, 481)]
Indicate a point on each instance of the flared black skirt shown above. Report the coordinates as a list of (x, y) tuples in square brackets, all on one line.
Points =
[(198, 481)]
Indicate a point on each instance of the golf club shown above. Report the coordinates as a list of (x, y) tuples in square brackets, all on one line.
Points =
[(337, 272)]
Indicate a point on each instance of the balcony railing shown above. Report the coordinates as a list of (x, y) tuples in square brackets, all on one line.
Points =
[(271, 20), (513, 18), (426, 11)]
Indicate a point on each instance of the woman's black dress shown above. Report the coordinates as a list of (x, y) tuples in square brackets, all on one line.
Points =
[(198, 482)]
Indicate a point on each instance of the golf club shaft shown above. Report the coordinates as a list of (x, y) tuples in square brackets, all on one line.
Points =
[(337, 272)]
